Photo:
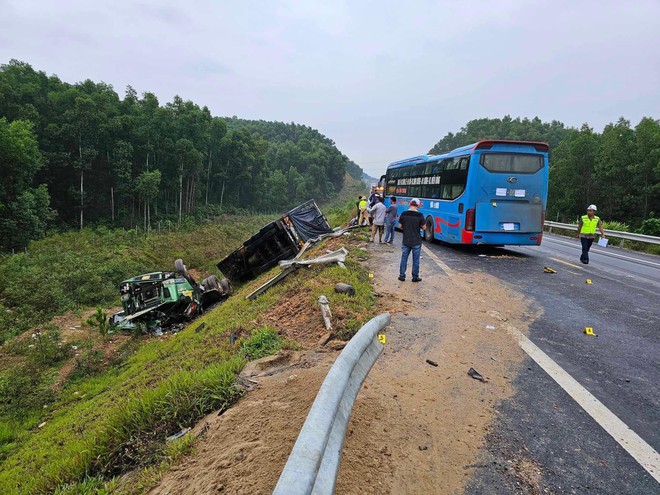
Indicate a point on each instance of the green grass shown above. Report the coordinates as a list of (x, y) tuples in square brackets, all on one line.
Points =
[(104, 425)]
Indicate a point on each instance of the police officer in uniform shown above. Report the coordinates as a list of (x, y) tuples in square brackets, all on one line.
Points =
[(587, 225)]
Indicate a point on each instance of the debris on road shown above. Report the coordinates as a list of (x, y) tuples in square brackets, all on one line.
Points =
[(490, 327), (547, 269), (200, 327), (476, 375), (497, 314), (177, 435), (342, 288), (432, 363), (407, 300), (423, 447), (232, 338)]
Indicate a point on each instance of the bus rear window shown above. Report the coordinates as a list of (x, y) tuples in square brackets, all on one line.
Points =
[(511, 163)]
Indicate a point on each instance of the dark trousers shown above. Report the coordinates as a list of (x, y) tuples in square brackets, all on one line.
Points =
[(405, 253), (586, 245)]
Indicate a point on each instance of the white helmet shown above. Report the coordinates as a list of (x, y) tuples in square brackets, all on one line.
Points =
[(592, 207)]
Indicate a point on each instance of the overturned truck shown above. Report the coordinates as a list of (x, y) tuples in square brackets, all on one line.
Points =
[(161, 299), (279, 240)]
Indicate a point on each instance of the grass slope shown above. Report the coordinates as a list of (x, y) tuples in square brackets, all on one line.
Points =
[(103, 425)]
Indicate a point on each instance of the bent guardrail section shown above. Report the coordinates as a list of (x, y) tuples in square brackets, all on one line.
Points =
[(313, 464), (629, 236)]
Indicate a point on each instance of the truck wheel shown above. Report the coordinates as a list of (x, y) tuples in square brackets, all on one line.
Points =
[(428, 233)]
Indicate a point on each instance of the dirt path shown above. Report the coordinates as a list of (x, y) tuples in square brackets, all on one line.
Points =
[(425, 424), (415, 428)]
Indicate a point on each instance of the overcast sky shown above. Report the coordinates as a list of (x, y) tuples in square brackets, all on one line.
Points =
[(383, 79)]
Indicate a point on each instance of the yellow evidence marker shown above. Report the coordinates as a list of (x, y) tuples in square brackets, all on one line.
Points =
[(547, 269), (588, 280), (590, 331), (371, 275), (382, 338)]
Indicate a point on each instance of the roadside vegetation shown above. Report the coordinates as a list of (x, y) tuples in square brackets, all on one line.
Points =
[(78, 432)]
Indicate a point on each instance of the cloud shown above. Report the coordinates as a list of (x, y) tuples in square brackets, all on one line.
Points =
[(383, 79)]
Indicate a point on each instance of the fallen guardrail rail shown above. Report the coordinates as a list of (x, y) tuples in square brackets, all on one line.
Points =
[(628, 236), (313, 464)]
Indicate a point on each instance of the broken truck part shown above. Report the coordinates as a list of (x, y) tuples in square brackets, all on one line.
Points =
[(160, 299), (279, 240), (289, 266)]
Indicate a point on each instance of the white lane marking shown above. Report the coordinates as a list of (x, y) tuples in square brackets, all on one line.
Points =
[(437, 260), (606, 253), (641, 451), (631, 442)]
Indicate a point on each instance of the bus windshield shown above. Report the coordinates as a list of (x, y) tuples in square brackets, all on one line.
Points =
[(511, 163)]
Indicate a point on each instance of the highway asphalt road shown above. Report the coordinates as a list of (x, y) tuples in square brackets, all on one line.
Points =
[(543, 441)]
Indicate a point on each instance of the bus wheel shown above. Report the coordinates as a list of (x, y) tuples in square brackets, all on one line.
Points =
[(428, 233)]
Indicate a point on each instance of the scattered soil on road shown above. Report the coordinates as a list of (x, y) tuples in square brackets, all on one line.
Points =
[(428, 422), (415, 428)]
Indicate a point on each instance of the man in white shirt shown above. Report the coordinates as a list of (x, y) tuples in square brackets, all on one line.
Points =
[(378, 214)]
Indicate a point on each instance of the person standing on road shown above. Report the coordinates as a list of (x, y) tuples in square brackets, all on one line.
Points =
[(391, 215), (378, 214), (587, 225), (411, 222), (362, 206)]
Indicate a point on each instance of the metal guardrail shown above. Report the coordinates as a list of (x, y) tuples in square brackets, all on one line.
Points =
[(628, 236), (313, 464)]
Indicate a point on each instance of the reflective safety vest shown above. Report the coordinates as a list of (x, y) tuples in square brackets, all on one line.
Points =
[(362, 205), (589, 224)]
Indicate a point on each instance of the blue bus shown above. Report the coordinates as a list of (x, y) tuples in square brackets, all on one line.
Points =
[(491, 192)]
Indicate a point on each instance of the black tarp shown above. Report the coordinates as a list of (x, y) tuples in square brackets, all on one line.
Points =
[(308, 221)]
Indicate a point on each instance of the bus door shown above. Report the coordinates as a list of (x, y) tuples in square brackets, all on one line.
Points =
[(511, 192)]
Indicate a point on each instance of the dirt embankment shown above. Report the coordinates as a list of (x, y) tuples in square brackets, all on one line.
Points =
[(415, 428)]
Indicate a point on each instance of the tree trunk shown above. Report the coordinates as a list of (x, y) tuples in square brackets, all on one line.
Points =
[(222, 194), (208, 178), (180, 196), (82, 191), (112, 203)]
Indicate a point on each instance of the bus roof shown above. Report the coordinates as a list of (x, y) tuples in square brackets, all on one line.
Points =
[(479, 145)]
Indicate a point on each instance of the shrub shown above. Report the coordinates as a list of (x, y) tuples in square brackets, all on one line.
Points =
[(616, 225), (100, 321), (89, 362), (650, 226), (48, 347)]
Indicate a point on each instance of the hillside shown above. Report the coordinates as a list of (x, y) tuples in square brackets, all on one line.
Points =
[(78, 408), (80, 154)]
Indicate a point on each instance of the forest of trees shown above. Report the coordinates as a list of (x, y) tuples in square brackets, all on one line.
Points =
[(72, 155), (618, 169)]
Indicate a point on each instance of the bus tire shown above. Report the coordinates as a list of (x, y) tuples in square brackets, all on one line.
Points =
[(428, 233)]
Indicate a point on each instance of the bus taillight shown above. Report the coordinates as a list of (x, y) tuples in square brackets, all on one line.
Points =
[(469, 220)]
